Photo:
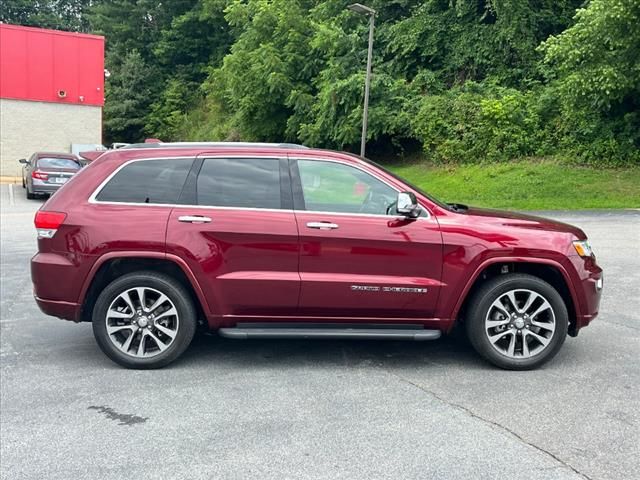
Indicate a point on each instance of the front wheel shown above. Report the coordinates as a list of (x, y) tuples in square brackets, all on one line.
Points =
[(517, 321), (144, 320)]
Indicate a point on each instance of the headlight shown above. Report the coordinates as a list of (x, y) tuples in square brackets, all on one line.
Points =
[(583, 248)]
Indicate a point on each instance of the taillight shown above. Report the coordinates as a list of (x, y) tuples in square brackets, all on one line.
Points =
[(47, 223), (38, 175)]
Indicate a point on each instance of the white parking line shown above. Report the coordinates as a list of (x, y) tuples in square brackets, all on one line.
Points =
[(12, 201)]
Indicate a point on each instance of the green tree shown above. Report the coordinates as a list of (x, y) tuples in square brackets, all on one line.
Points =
[(177, 39), (594, 74), (597, 60), (192, 42), (67, 15), (128, 99), (295, 70), (465, 80), (265, 65)]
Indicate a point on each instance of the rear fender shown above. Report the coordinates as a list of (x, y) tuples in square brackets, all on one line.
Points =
[(150, 255)]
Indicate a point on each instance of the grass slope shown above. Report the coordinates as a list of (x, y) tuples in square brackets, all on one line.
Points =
[(527, 185)]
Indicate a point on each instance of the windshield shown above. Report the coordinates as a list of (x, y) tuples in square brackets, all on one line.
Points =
[(409, 184), (59, 163)]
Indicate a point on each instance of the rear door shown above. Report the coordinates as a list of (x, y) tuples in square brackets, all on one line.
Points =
[(357, 259), (238, 235)]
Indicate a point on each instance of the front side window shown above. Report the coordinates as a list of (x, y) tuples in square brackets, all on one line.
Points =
[(334, 187), (147, 181), (240, 182)]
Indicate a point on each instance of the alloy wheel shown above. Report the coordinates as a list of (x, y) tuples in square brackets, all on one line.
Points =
[(520, 323), (142, 322)]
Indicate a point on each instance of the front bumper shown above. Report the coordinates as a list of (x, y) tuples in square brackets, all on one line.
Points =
[(588, 286)]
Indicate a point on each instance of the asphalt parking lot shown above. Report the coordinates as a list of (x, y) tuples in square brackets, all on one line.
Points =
[(319, 409)]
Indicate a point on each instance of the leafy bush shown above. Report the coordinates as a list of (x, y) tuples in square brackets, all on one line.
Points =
[(474, 123)]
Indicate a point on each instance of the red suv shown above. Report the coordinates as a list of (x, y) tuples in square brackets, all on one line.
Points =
[(283, 241)]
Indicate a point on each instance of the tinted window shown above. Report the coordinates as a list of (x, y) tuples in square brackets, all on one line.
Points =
[(240, 182), (58, 163), (148, 181), (334, 187)]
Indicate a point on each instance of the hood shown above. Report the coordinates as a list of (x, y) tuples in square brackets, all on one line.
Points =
[(522, 220)]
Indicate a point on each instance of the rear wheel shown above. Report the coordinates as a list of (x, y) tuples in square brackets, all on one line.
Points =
[(144, 320), (30, 196), (517, 321)]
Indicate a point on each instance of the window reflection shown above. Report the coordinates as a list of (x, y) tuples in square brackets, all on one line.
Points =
[(240, 182), (334, 187)]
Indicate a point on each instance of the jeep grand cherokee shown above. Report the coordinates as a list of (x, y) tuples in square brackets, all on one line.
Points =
[(268, 241)]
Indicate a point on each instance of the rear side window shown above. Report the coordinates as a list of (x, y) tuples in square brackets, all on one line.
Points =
[(240, 182), (147, 181), (59, 163)]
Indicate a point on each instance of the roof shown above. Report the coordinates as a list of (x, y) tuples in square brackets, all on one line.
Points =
[(237, 149), (50, 31), (213, 145)]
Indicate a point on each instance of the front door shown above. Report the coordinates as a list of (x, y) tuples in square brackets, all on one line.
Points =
[(357, 260), (238, 235)]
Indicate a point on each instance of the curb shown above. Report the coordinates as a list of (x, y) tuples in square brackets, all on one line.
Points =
[(7, 179)]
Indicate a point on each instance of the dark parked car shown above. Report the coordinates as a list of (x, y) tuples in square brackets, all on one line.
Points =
[(257, 241), (46, 172)]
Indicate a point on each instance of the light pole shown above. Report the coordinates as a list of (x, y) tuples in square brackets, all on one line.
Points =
[(371, 13)]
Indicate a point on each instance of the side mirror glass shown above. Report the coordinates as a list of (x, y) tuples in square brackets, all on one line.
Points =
[(407, 205), (23, 161)]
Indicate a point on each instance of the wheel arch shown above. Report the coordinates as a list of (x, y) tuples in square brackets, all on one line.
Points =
[(547, 270), (115, 264)]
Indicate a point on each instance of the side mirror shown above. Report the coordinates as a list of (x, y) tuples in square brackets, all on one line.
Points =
[(24, 161), (407, 205)]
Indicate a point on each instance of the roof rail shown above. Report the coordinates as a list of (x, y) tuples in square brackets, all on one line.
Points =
[(212, 144)]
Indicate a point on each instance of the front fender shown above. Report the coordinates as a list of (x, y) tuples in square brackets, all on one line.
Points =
[(452, 303)]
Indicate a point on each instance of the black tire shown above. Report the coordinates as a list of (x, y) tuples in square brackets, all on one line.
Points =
[(165, 284), (491, 291), (30, 196)]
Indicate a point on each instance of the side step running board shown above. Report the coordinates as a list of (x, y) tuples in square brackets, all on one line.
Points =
[(351, 331)]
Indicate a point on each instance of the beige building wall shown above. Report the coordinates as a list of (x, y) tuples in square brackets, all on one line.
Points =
[(27, 127)]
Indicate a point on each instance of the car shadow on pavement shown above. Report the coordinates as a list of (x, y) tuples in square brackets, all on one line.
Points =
[(293, 353)]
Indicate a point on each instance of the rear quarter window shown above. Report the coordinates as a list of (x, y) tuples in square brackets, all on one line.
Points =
[(147, 181)]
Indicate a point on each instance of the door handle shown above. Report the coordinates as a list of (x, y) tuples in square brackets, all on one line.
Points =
[(322, 225), (194, 219)]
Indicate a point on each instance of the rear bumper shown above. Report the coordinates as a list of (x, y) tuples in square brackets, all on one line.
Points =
[(60, 309), (56, 280), (46, 189)]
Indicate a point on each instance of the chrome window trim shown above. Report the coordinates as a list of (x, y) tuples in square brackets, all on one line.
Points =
[(93, 200)]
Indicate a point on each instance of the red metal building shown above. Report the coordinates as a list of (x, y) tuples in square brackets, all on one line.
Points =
[(51, 91)]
